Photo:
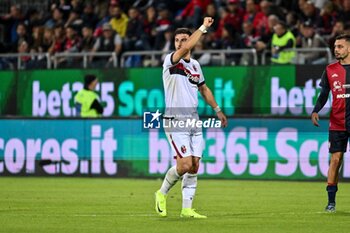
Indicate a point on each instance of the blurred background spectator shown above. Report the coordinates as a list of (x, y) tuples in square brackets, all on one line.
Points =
[(109, 41), (308, 39), (281, 44)]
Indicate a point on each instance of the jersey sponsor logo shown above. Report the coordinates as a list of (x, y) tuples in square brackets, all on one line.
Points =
[(337, 86), (343, 96), (193, 78)]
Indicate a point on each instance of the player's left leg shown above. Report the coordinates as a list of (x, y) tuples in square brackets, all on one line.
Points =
[(332, 180), (189, 181), (179, 142), (189, 186), (337, 146)]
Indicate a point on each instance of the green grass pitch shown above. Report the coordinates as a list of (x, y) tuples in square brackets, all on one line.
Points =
[(86, 205)]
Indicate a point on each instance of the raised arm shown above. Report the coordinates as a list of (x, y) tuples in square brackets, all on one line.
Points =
[(192, 40)]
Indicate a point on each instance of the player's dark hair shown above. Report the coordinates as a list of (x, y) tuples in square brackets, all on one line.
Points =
[(343, 36), (183, 31)]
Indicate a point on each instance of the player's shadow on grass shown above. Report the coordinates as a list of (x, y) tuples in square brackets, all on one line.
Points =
[(342, 213), (244, 215)]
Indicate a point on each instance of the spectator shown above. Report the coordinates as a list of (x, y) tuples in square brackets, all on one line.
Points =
[(88, 40), (212, 12), (135, 38), (337, 29), (59, 37), (119, 21), (105, 19), (77, 5), (230, 39), (249, 36), (43, 39), (231, 15), (33, 18), (282, 40), (168, 42), (21, 35), (320, 3), (163, 20), (292, 23), (143, 5), (311, 39), (48, 39), (263, 26), (56, 18), (192, 14), (101, 8), (71, 44), (328, 17), (25, 60), (10, 22), (257, 18), (150, 25), (74, 20), (38, 35), (64, 6), (345, 12), (163, 24), (265, 40), (88, 16), (108, 42), (272, 8), (310, 13)]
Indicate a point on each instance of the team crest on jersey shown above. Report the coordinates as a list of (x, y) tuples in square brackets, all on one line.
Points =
[(183, 149), (337, 86)]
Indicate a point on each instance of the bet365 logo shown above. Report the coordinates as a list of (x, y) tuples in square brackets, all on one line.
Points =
[(151, 120)]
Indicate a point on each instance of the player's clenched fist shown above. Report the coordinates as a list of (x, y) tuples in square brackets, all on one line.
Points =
[(208, 21)]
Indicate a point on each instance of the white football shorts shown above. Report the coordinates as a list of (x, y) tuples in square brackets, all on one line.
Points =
[(186, 144)]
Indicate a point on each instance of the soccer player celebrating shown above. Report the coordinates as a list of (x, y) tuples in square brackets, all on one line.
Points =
[(182, 78), (336, 78)]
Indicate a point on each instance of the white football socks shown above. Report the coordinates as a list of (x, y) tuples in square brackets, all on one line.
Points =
[(170, 180), (189, 185)]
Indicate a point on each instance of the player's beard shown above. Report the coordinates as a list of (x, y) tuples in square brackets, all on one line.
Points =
[(341, 57)]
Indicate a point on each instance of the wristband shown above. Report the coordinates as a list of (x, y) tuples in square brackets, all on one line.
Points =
[(217, 109), (203, 29)]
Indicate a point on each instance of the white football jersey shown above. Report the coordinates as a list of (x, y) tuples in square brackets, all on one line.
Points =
[(181, 82)]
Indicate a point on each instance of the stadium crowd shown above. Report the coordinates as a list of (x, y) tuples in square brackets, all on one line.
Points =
[(72, 26)]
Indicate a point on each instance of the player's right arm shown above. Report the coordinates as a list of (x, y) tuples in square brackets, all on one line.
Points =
[(322, 99), (192, 40)]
